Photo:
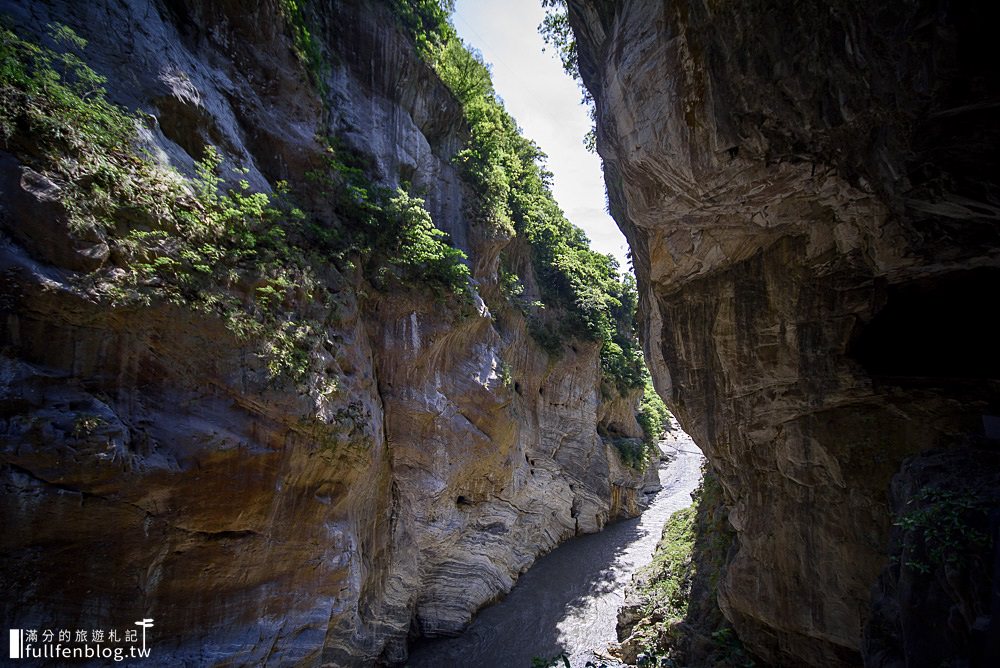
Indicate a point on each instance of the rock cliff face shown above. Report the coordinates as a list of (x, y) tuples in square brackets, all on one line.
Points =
[(151, 467), (810, 194)]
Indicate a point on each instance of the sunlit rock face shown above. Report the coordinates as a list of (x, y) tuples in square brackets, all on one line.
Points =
[(151, 468), (810, 194)]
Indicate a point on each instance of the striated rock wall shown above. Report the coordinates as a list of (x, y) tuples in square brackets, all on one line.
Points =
[(151, 467), (810, 194)]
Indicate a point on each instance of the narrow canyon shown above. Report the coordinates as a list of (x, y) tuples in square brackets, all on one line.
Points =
[(301, 359)]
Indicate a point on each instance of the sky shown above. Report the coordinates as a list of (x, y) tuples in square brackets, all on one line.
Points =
[(547, 105)]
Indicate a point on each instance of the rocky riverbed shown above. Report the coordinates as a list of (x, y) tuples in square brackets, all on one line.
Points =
[(567, 603)]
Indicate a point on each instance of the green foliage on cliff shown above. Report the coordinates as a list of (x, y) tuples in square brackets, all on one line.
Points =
[(187, 242), (426, 21), (557, 33), (250, 257), (388, 231), (53, 108), (671, 569), (653, 414), (56, 97), (944, 529), (415, 248), (679, 619), (632, 452), (582, 295), (306, 47)]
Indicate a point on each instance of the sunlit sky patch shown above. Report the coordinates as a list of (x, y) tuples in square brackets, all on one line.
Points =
[(546, 104)]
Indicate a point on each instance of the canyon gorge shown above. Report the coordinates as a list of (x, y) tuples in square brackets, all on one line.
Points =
[(301, 359), (308, 461)]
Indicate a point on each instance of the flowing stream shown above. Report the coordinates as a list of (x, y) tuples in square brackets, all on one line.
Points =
[(567, 602)]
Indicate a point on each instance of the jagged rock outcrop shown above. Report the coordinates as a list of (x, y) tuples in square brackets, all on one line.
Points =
[(151, 465), (810, 194)]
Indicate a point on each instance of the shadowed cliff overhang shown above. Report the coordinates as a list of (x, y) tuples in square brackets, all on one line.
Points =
[(941, 327), (854, 145)]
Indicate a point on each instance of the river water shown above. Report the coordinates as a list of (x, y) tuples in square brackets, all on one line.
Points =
[(567, 602)]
